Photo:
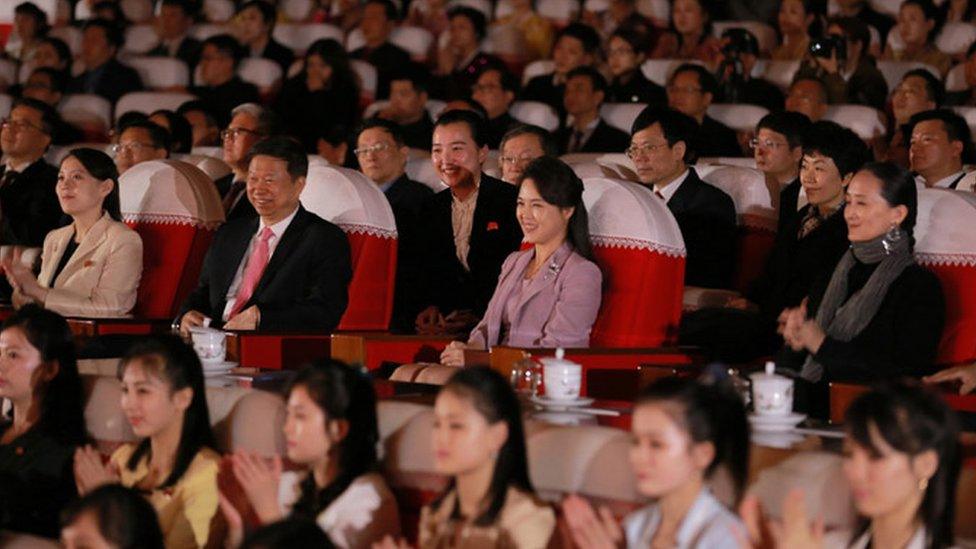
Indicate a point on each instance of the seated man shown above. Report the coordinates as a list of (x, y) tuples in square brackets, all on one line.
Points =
[(408, 105), (778, 149), (495, 90), (576, 45), (470, 228), (219, 87), (104, 75), (521, 145), (808, 96), (740, 52), (941, 143), (203, 125), (918, 91), (255, 22), (382, 157), (251, 124), (584, 130), (691, 90), (140, 141), (378, 21), (172, 25), (49, 85), (286, 269), (660, 146), (967, 95)]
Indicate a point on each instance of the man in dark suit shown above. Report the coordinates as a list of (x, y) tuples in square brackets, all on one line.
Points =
[(104, 75), (219, 87), (383, 157), (408, 105), (585, 131), (378, 21), (287, 269), (470, 227), (495, 90), (661, 152), (251, 124), (576, 45), (778, 149), (255, 23), (172, 24), (691, 90)]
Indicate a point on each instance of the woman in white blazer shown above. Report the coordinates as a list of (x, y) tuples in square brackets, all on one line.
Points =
[(91, 267)]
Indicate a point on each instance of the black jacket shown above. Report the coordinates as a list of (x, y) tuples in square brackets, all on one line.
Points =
[(308, 114), (789, 198), (495, 233), (496, 128), (388, 59), (716, 139), (280, 54), (188, 51), (706, 217), (29, 207), (542, 88), (242, 208), (112, 80), (419, 134), (636, 90), (407, 198), (304, 286), (604, 139), (222, 99)]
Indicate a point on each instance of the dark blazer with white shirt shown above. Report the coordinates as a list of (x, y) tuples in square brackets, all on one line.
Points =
[(605, 138)]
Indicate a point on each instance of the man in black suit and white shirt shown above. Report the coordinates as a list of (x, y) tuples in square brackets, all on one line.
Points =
[(104, 75), (287, 269), (470, 227), (172, 24), (691, 91), (585, 131), (659, 147)]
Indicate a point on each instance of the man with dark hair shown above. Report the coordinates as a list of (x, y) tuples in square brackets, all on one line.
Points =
[(576, 45), (49, 86), (940, 144), (219, 87), (496, 89), (378, 21), (966, 96), (691, 91), (172, 25), (104, 75), (332, 144), (285, 269), (521, 145), (408, 105), (251, 123), (918, 91), (203, 124), (808, 96), (255, 22), (383, 158), (778, 149), (140, 141), (661, 148), (739, 54), (470, 227), (584, 131)]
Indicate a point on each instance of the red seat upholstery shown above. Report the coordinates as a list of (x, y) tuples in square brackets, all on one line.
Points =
[(946, 244), (638, 247), (354, 203), (175, 208)]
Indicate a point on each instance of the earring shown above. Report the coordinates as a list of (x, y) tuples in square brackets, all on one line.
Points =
[(892, 238), (923, 484)]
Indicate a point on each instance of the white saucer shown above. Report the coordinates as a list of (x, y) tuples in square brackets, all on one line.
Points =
[(776, 440), (565, 418), (771, 423), (211, 369), (561, 403)]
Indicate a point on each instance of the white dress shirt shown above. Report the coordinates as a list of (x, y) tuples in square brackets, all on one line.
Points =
[(943, 183), (668, 190)]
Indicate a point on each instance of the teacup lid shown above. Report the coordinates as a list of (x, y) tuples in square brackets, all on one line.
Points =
[(205, 330), (560, 358), (768, 374)]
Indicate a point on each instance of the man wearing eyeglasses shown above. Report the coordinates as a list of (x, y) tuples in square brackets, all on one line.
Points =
[(778, 149), (691, 90), (250, 123), (521, 145), (140, 141)]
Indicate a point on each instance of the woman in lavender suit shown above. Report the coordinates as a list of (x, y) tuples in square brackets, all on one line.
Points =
[(548, 295)]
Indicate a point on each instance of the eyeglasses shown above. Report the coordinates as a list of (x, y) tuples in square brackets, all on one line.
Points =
[(378, 148), (634, 151), (234, 133), (135, 146), (766, 144), (19, 125), (515, 160)]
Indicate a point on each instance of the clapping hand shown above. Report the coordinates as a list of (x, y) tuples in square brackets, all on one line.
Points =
[(91, 472), (592, 529)]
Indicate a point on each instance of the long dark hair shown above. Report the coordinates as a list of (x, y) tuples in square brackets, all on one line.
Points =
[(167, 357), (708, 412), (59, 401), (341, 392), (101, 167), (335, 56), (493, 398), (912, 419), (898, 189), (125, 518), (558, 185)]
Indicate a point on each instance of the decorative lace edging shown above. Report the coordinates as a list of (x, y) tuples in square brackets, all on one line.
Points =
[(170, 219), (370, 230), (951, 260), (636, 244)]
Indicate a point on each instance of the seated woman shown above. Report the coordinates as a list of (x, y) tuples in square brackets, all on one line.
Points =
[(332, 434), (174, 464), (797, 22), (901, 462), (111, 516), (91, 267), (918, 25), (461, 60), (479, 443), (690, 36), (549, 295), (625, 53), (39, 378), (881, 315), (683, 432)]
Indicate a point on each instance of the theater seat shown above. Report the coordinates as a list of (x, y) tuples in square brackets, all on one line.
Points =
[(659, 70), (955, 38), (70, 35), (175, 208), (215, 168), (5, 103), (741, 118), (535, 112), (147, 102), (354, 203), (216, 152), (367, 78), (263, 73), (621, 115), (894, 71), (421, 170), (866, 122), (91, 113), (537, 68), (202, 31), (299, 36), (955, 79), (946, 244), (159, 73), (139, 39), (8, 73), (780, 72)]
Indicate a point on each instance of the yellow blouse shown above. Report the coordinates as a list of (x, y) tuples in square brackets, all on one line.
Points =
[(186, 509), (523, 523)]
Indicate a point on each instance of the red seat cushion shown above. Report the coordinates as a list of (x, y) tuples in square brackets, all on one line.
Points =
[(373, 278), (172, 256)]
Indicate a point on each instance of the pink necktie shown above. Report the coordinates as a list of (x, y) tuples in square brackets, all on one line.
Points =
[(253, 271)]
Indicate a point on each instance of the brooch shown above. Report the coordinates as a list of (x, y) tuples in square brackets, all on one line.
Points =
[(552, 271)]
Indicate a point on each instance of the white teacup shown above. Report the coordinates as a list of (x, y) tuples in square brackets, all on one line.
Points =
[(562, 378), (772, 394), (209, 344)]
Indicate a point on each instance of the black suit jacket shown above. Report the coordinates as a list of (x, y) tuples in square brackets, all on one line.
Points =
[(407, 198), (543, 88), (495, 233), (706, 217), (304, 286), (716, 139), (496, 128), (604, 139), (789, 197), (636, 90), (112, 80), (188, 51), (242, 208), (388, 58), (280, 54), (223, 98), (29, 207)]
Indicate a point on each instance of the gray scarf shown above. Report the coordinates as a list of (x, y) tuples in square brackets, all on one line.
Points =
[(844, 320)]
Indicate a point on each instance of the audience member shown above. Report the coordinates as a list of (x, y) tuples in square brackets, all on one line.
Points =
[(45, 422), (470, 228), (345, 14), (808, 96), (428, 14), (549, 295), (174, 463), (683, 433), (778, 149), (172, 25), (104, 75), (324, 94), (520, 146), (738, 57), (918, 25), (332, 144), (92, 267), (690, 35), (30, 26), (382, 155), (379, 20), (250, 124), (180, 131), (531, 34), (111, 11), (957, 11), (49, 85), (940, 144), (962, 376), (50, 52), (662, 148), (461, 59), (140, 141), (625, 54), (495, 90), (203, 124), (797, 21), (287, 269), (967, 95), (584, 130), (220, 88), (623, 16), (691, 91), (253, 25), (111, 516), (331, 434), (918, 91), (576, 45), (408, 105)]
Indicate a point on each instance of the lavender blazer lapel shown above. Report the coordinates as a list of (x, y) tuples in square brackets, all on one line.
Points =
[(545, 279)]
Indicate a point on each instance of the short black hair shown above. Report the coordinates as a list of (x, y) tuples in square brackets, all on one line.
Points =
[(113, 33), (475, 123), (509, 81), (124, 517), (955, 127), (389, 8), (39, 16), (586, 34), (477, 19), (283, 148), (158, 135), (791, 125), (189, 7), (637, 40), (50, 119), (127, 118), (840, 144), (227, 45), (597, 80), (473, 105), (58, 79), (180, 131), (549, 147), (706, 80), (417, 74), (824, 93), (675, 125), (388, 126), (268, 13), (854, 29), (60, 47), (197, 105), (933, 86)]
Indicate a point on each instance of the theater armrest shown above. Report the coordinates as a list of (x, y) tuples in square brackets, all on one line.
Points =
[(703, 298), (372, 349), (276, 350)]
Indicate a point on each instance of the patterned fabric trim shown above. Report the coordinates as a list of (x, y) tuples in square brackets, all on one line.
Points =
[(636, 244)]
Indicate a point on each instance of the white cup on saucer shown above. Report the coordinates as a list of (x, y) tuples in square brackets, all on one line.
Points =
[(209, 344), (563, 379), (772, 394)]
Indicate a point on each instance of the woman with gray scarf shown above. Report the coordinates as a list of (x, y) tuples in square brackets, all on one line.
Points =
[(880, 315)]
